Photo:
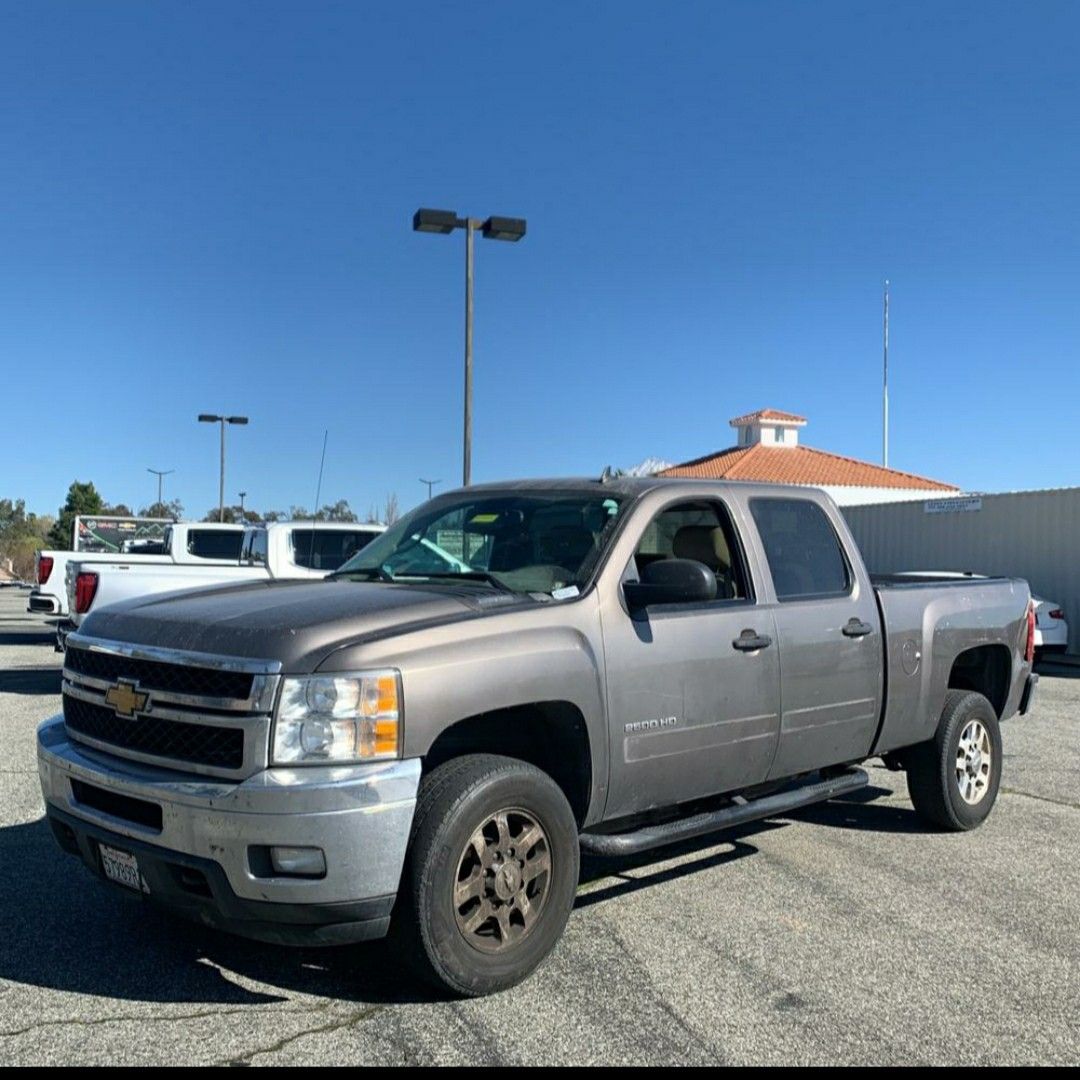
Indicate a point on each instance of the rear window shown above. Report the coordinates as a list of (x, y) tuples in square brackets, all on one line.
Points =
[(801, 547), (327, 549), (215, 543)]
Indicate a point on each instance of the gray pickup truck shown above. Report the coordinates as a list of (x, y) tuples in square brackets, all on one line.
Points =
[(511, 675)]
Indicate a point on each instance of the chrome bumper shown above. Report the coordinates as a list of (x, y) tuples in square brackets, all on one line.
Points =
[(39, 603), (360, 815)]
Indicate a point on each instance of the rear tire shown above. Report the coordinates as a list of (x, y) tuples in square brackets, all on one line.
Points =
[(491, 873), (953, 779)]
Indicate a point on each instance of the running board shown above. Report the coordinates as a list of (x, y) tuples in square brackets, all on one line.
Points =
[(740, 812)]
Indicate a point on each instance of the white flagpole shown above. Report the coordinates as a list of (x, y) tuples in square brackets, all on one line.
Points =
[(885, 385)]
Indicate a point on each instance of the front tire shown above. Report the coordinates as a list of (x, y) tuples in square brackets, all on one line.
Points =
[(953, 779), (491, 874)]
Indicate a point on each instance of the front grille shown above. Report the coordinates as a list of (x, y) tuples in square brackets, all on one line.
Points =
[(155, 675), (197, 744)]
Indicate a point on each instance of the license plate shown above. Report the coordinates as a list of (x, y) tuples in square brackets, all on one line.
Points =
[(122, 867)]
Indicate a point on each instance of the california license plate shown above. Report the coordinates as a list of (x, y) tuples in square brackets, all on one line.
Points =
[(122, 867)]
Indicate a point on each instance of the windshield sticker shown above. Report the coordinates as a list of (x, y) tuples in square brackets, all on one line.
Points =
[(565, 593)]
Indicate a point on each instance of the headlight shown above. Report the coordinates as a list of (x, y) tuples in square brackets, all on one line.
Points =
[(338, 718)]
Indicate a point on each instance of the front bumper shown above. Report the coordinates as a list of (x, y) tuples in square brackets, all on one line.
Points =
[(204, 853)]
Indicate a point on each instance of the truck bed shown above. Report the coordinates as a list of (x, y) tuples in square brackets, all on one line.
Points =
[(935, 630)]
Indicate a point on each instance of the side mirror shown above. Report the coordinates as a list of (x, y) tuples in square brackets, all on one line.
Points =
[(671, 581)]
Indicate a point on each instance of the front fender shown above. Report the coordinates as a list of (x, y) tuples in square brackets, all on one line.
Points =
[(466, 669)]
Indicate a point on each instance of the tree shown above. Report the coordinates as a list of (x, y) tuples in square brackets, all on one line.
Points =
[(22, 535), (233, 515), (81, 499), (119, 510), (391, 511), (340, 511), (173, 509)]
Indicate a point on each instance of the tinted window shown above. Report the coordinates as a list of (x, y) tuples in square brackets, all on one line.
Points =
[(326, 549), (215, 543), (802, 550)]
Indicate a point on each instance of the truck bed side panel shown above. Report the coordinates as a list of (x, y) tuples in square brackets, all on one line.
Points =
[(927, 626)]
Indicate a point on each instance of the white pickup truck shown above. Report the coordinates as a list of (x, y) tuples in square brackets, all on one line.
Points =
[(282, 550), (190, 543)]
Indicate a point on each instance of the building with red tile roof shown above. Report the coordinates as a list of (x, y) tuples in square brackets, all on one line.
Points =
[(768, 451)]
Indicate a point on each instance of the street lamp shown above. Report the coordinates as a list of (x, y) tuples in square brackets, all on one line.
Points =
[(430, 485), (243, 496), (493, 228), (209, 418), (159, 473)]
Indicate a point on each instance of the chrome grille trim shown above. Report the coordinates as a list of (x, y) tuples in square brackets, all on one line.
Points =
[(261, 700), (176, 656)]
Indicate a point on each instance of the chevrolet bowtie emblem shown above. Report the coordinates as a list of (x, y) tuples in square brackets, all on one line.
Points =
[(126, 698)]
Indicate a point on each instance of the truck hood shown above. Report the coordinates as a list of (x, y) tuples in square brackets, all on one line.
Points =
[(298, 623)]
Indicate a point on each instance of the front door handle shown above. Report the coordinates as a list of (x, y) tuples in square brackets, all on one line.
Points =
[(751, 640), (856, 628)]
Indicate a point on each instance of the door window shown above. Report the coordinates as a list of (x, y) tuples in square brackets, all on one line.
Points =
[(701, 531), (801, 547)]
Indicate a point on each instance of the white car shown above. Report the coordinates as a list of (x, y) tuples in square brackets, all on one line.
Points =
[(1051, 629), (285, 549), (184, 543)]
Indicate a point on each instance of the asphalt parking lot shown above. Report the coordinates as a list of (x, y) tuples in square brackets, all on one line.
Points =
[(845, 934)]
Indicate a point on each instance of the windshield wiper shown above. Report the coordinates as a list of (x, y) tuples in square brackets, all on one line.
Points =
[(474, 575), (371, 573)]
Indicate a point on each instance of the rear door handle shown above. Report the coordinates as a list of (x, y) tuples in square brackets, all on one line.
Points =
[(750, 640), (856, 628)]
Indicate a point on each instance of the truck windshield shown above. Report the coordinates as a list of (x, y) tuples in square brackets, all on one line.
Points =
[(527, 543)]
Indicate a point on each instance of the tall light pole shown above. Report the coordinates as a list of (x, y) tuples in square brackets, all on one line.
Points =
[(243, 496), (159, 473), (493, 228), (430, 485), (209, 418)]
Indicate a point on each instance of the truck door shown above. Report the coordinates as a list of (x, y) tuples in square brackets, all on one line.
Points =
[(693, 710), (829, 633)]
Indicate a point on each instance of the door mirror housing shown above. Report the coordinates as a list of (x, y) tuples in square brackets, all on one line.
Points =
[(671, 581)]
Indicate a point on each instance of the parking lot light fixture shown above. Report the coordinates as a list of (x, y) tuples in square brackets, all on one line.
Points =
[(160, 474), (212, 418), (492, 228)]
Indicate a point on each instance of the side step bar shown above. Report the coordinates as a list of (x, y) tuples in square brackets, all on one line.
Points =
[(740, 812)]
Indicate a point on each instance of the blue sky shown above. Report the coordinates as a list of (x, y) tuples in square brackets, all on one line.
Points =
[(206, 207)]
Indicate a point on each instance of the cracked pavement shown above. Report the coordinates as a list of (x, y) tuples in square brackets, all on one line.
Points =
[(844, 934)]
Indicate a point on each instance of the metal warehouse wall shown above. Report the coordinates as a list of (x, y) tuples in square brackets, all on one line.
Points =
[(1029, 534)]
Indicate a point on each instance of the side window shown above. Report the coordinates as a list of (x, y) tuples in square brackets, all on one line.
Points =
[(702, 531), (801, 547), (215, 543)]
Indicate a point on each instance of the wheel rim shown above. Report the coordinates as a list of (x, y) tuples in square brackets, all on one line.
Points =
[(503, 881), (974, 760)]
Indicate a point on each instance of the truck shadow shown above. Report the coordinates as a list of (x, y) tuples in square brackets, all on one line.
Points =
[(28, 637), (861, 811), (33, 681), (64, 930)]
